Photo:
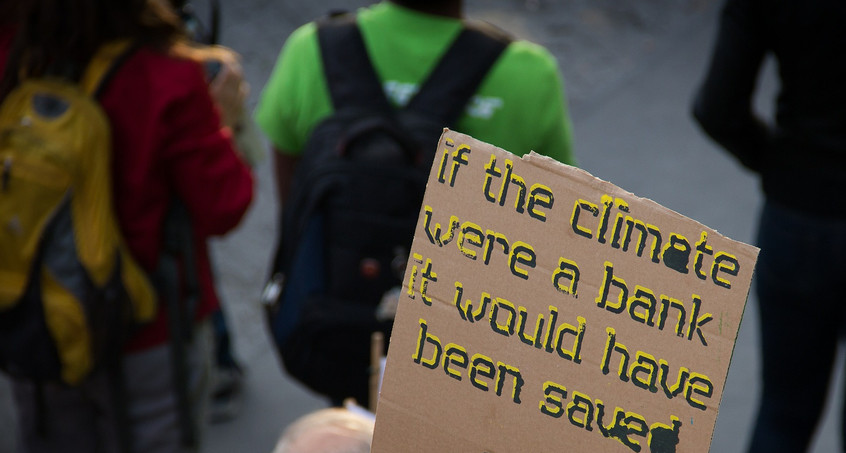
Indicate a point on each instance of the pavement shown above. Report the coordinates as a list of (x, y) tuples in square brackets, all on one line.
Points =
[(630, 70)]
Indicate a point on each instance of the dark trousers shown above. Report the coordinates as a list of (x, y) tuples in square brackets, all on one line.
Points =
[(801, 288)]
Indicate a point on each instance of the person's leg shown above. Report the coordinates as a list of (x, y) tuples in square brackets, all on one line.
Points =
[(800, 312), (224, 358), (227, 373), (55, 418), (153, 409)]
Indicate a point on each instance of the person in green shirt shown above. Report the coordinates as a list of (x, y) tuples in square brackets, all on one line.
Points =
[(520, 105)]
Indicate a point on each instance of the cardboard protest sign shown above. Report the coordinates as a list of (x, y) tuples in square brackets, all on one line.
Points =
[(547, 310)]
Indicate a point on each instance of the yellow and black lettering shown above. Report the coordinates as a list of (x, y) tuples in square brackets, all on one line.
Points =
[(448, 143), (666, 304), (495, 238), (643, 305), (700, 385), (635, 426), (491, 171), (553, 403), (645, 230), (574, 354), (727, 264), (609, 280), (581, 404), (502, 371), (455, 355), (412, 275), (428, 276), (455, 360), (522, 254), (618, 223), (472, 235), (465, 309), (508, 178), (600, 415), (541, 196), (681, 381), (610, 346), (676, 253), (550, 333), (534, 340), (618, 428), (459, 158), (702, 249), (520, 200), (696, 321), (683, 328), (645, 364), (437, 236), (481, 366), (510, 319), (424, 337), (526, 198), (510, 324), (607, 202), (569, 271), (574, 219), (620, 425)]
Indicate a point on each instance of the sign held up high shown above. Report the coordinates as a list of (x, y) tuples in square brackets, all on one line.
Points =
[(544, 309)]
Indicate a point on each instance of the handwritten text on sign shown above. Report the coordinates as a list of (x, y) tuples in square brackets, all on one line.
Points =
[(565, 298)]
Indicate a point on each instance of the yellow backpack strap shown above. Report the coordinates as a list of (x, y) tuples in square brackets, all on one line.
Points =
[(103, 64)]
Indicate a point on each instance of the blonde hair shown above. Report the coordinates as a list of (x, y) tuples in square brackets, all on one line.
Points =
[(332, 430)]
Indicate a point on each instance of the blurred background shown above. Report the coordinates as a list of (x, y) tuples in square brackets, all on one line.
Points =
[(630, 69)]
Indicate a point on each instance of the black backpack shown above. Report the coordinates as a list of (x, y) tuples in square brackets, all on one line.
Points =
[(349, 222)]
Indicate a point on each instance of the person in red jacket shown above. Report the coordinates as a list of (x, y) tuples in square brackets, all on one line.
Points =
[(169, 143)]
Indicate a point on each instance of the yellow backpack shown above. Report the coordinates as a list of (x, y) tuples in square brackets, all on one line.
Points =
[(69, 289)]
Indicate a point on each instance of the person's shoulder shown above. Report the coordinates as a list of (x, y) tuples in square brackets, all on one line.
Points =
[(530, 55), (162, 71), (151, 84), (526, 67), (167, 63), (304, 35)]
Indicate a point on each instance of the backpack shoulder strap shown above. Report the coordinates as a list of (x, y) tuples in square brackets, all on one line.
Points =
[(459, 72), (105, 62), (351, 78)]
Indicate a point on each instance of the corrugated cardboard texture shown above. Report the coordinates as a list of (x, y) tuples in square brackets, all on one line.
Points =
[(546, 310)]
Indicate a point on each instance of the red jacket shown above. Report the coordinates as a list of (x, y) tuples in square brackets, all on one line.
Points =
[(168, 143)]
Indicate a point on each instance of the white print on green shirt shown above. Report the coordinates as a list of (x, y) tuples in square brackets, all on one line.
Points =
[(482, 107)]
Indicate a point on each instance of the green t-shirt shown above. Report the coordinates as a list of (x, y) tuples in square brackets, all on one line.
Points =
[(519, 106)]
